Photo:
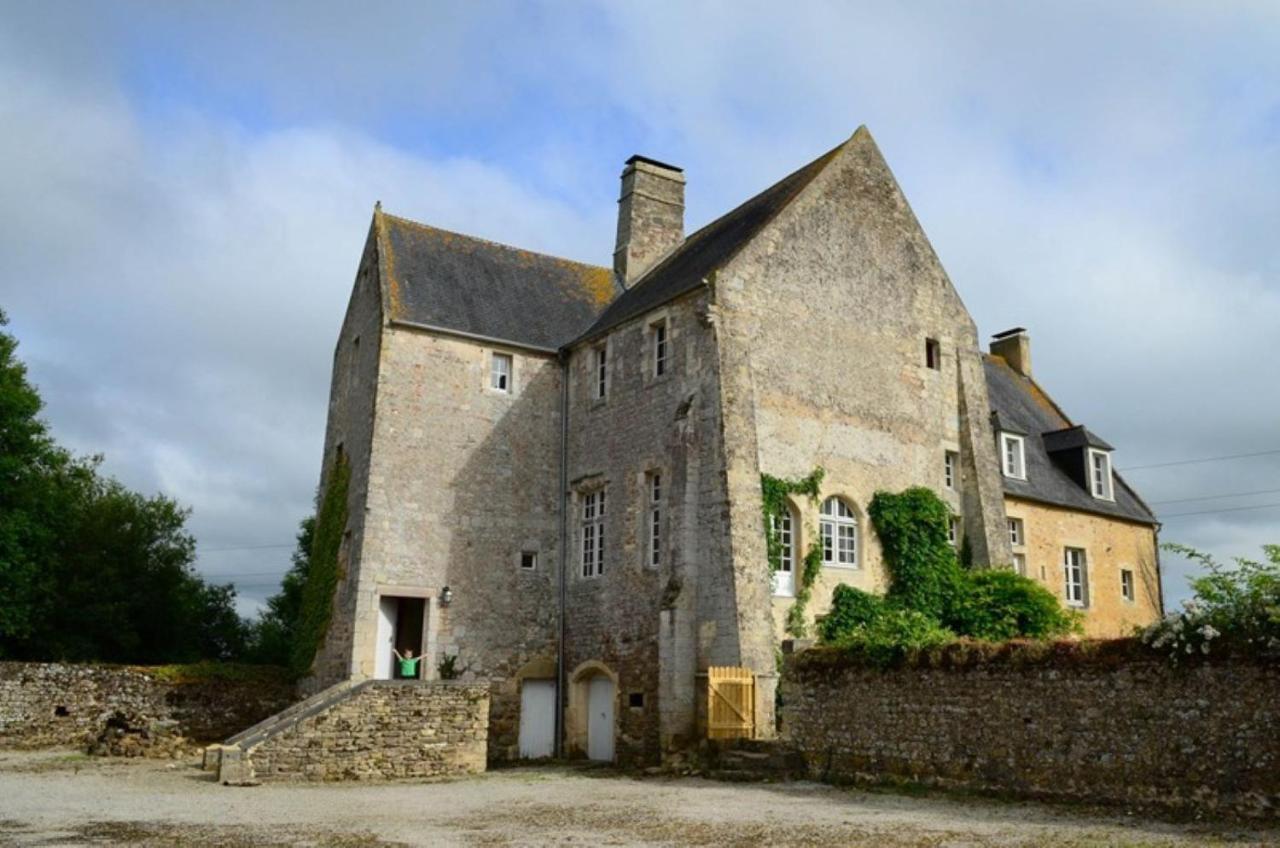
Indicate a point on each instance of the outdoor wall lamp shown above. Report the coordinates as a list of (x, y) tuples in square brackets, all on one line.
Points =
[(446, 596)]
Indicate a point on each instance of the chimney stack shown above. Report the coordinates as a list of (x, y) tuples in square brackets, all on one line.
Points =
[(650, 216), (1014, 347)]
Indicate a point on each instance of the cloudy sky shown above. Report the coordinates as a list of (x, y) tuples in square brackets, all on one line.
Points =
[(185, 189)]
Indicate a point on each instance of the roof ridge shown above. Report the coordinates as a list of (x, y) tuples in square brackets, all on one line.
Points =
[(482, 240)]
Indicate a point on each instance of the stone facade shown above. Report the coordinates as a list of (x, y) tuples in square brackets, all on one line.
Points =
[(1110, 546), (811, 327), (1118, 727), (387, 730), (55, 704)]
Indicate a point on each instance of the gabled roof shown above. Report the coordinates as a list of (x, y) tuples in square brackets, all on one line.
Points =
[(1074, 438), (708, 249), (1018, 401), (467, 285)]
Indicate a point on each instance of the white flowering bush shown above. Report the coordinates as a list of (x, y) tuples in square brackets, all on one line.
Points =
[(1235, 608)]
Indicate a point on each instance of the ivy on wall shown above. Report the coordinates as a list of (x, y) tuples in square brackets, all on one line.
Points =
[(775, 492), (322, 572), (924, 572)]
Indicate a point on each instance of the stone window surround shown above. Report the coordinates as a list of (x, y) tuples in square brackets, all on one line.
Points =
[(658, 318), (599, 382), (1128, 588), (1085, 588), (593, 484), (951, 469), (647, 529), (855, 522), (489, 357)]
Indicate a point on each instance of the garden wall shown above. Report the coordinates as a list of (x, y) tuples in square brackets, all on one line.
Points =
[(1097, 722), (377, 730), (55, 704)]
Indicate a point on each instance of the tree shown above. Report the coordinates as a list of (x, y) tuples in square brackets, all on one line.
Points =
[(276, 630)]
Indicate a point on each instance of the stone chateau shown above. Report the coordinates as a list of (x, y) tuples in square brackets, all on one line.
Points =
[(556, 467)]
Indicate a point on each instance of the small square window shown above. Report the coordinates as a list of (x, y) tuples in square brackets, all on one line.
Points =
[(951, 469), (933, 354), (500, 372), (636, 700), (528, 560)]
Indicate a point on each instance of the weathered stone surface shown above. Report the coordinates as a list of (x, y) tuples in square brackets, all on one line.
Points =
[(127, 711), (386, 730), (1132, 731)]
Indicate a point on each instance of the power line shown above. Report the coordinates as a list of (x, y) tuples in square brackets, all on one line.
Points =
[(1216, 497), (1194, 461), (242, 548), (1213, 511)]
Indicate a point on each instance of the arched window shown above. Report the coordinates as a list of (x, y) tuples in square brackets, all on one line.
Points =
[(784, 579), (839, 529)]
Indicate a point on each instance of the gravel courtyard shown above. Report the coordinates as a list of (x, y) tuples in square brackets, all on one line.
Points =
[(60, 798)]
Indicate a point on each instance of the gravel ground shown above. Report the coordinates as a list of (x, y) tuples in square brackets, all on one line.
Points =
[(58, 798)]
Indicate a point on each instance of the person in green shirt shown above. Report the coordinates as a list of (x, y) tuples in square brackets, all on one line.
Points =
[(408, 663)]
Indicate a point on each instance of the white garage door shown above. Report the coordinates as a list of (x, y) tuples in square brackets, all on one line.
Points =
[(537, 718)]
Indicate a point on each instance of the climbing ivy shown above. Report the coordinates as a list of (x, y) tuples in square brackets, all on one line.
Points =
[(912, 527), (774, 492), (322, 573)]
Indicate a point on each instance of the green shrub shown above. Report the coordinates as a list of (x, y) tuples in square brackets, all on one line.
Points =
[(851, 609), (894, 633), (912, 527), (1233, 609), (997, 604)]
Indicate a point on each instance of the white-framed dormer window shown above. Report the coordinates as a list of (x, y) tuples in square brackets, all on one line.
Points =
[(1100, 475), (1013, 456), (1075, 571), (1017, 534), (593, 533), (601, 372), (500, 372), (655, 519), (951, 469), (839, 531), (660, 345)]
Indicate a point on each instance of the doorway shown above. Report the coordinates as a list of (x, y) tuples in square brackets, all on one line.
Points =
[(537, 718), (400, 628), (600, 698)]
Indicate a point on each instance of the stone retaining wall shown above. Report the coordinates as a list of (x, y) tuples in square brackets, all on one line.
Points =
[(1099, 725), (384, 730), (53, 704)]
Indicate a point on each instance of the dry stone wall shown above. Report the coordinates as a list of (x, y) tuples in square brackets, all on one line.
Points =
[(127, 710), (1112, 728), (386, 730)]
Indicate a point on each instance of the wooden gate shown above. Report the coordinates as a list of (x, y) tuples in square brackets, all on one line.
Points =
[(731, 703)]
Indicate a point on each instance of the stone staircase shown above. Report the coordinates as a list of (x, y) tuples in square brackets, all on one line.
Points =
[(230, 761), (754, 761)]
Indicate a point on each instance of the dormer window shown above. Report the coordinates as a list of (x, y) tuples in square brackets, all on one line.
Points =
[(1100, 482), (1013, 456)]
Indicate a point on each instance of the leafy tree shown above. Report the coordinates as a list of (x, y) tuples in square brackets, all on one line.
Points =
[(276, 630)]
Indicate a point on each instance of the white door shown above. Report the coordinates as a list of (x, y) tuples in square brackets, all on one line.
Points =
[(600, 719), (784, 579), (537, 718), (386, 640)]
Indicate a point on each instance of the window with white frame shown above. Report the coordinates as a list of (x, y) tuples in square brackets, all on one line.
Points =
[(839, 531), (601, 372), (951, 469), (953, 530), (1126, 584), (783, 528), (655, 519), (1017, 536), (1100, 475), (1075, 569), (659, 331), (1013, 456), (593, 533), (1020, 564), (500, 372)]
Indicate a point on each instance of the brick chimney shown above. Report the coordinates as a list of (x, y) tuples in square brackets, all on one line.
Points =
[(650, 216), (1014, 347)]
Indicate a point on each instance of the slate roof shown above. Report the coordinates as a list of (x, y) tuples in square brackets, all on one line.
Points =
[(455, 282), (706, 250), (1073, 438), (1021, 402)]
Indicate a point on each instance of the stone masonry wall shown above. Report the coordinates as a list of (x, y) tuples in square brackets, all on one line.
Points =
[(54, 704), (386, 730), (1123, 729)]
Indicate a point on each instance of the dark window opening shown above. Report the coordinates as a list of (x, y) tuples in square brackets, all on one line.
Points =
[(933, 354), (636, 700), (529, 560), (61, 711)]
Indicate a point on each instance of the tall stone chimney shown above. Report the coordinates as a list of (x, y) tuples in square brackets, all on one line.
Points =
[(650, 216), (1014, 347)]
